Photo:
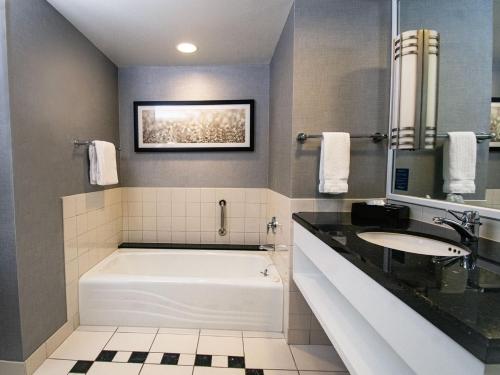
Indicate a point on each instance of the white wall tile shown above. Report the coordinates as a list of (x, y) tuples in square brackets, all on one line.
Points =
[(149, 223), (164, 209), (164, 223), (149, 195), (69, 206), (70, 228), (164, 236), (164, 195), (178, 209), (193, 195), (178, 224), (149, 209), (207, 209), (178, 237), (178, 195), (207, 237), (193, 209), (207, 195), (207, 224), (193, 224)]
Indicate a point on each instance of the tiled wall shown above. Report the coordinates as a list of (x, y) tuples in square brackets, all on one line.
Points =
[(300, 324), (92, 230), (192, 215)]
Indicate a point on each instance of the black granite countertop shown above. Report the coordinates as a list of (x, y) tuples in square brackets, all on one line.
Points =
[(463, 304)]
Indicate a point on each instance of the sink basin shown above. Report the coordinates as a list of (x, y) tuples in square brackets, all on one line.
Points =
[(414, 244)]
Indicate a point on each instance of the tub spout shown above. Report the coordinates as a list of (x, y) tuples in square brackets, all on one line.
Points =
[(267, 247)]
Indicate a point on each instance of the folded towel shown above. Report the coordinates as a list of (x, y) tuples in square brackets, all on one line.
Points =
[(459, 163), (334, 163), (102, 156)]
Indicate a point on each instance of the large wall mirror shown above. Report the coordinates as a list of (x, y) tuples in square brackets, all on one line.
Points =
[(468, 83)]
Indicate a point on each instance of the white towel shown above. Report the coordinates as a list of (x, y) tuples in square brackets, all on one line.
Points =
[(459, 163), (102, 156), (334, 163)]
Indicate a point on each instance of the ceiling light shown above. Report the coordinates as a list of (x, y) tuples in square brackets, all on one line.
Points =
[(186, 48)]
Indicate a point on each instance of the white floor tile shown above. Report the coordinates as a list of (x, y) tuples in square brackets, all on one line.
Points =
[(166, 370), (220, 345), (286, 372), (139, 342), (168, 343), (268, 354), (219, 361), (220, 332), (122, 357), (180, 331), (218, 371), (137, 329), (186, 360), (318, 373), (317, 358), (108, 368), (154, 358), (97, 328), (55, 367), (263, 334), (82, 345)]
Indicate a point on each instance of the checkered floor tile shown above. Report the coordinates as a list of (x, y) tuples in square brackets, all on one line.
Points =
[(121, 351)]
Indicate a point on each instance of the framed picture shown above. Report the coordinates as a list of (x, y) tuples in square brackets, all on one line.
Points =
[(495, 123), (211, 125)]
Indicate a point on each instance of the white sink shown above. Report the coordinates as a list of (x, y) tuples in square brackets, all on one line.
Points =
[(414, 244)]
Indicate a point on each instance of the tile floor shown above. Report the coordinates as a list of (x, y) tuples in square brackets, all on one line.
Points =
[(171, 351)]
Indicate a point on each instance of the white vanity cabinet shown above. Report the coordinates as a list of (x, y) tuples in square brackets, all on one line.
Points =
[(373, 331)]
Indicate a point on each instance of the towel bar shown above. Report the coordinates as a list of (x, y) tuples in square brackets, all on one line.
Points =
[(79, 142), (376, 137)]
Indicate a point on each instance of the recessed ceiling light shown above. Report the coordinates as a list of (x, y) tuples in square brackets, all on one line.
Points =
[(186, 47)]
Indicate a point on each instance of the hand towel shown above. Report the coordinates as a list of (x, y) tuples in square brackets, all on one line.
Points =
[(459, 163), (334, 163), (102, 157)]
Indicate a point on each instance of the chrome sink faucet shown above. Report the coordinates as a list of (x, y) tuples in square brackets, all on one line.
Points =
[(467, 225)]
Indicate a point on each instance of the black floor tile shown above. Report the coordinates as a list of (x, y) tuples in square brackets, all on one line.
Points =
[(253, 371), (170, 358), (236, 362), (138, 357), (106, 356), (203, 360), (81, 367)]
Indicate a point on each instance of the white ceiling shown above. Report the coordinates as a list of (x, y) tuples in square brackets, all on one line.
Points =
[(145, 32)]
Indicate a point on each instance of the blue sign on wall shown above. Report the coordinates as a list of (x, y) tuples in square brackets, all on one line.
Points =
[(401, 179)]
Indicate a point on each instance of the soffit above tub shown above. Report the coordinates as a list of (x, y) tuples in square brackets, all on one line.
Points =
[(146, 32)]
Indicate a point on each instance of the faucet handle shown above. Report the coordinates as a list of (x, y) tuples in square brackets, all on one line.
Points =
[(468, 216)]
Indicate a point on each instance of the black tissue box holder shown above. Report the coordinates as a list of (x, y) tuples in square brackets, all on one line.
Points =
[(388, 214)]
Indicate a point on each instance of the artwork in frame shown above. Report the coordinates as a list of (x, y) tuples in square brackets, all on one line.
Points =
[(495, 123), (210, 125)]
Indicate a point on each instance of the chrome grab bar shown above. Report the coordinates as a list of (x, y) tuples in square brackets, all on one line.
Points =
[(222, 229)]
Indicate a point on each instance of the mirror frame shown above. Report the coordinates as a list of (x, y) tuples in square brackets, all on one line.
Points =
[(426, 202)]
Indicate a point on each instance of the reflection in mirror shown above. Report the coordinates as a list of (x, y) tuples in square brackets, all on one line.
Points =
[(469, 76)]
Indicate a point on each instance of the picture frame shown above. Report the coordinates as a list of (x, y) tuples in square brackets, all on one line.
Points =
[(194, 126), (495, 123)]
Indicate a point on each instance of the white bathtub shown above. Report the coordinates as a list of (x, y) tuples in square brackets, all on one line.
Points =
[(183, 288)]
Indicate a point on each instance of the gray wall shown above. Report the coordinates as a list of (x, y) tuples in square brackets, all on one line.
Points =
[(61, 87), (10, 322), (464, 83), (341, 83), (281, 111), (196, 169)]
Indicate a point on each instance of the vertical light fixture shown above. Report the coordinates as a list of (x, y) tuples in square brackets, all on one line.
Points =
[(415, 90)]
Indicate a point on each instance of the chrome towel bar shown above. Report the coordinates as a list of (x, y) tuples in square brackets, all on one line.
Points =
[(81, 142), (376, 137)]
